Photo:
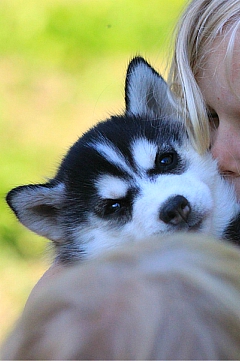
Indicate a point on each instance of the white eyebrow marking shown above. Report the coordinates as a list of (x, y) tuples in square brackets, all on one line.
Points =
[(111, 187), (144, 153)]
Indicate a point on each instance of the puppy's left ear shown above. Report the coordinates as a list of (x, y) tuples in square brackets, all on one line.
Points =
[(146, 92), (38, 207)]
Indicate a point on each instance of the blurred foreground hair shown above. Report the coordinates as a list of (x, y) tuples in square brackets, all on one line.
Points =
[(175, 297)]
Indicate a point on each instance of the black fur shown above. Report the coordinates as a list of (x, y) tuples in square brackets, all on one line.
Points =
[(232, 232)]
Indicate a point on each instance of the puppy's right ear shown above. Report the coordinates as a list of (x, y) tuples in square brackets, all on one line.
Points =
[(146, 92), (38, 208)]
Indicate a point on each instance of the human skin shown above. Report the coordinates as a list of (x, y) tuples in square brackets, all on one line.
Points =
[(220, 86)]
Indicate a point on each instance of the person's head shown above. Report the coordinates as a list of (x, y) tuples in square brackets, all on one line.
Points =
[(205, 76), (175, 297)]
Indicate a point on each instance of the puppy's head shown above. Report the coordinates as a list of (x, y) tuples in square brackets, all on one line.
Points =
[(130, 177)]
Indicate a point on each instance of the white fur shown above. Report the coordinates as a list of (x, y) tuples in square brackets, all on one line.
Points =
[(144, 153), (110, 187)]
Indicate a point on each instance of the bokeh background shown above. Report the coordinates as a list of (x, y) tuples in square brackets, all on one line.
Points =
[(62, 68)]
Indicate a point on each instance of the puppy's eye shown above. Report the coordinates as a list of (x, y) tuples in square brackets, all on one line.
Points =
[(112, 207), (166, 161), (108, 207)]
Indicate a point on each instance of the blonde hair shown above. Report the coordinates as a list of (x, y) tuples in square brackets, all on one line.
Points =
[(173, 297), (200, 24)]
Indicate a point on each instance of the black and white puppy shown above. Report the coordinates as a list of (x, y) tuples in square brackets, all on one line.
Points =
[(130, 177)]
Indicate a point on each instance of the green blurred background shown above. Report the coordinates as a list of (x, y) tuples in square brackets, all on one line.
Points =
[(62, 68)]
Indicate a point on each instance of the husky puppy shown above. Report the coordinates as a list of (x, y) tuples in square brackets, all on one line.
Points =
[(130, 177)]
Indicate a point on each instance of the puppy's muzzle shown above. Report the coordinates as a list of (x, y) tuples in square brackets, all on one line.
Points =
[(175, 211)]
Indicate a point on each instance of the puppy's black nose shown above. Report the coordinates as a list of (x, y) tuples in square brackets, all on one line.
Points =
[(176, 210)]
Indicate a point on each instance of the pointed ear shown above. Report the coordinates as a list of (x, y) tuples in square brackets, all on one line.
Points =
[(38, 207), (146, 93)]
